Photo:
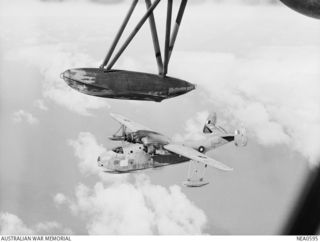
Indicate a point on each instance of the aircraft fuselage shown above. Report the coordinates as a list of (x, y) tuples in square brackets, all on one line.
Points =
[(133, 157)]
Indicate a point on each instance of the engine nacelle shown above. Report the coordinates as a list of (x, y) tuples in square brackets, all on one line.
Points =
[(131, 138), (240, 137), (147, 141)]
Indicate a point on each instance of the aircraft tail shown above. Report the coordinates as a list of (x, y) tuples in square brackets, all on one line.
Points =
[(210, 123), (239, 136), (211, 127)]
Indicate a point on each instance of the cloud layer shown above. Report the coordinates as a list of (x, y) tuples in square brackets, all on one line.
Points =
[(139, 208), (51, 60), (12, 224)]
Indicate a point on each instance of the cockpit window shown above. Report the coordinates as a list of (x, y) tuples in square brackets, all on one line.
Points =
[(118, 150)]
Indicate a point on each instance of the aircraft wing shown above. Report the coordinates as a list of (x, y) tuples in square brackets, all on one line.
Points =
[(133, 126), (196, 156)]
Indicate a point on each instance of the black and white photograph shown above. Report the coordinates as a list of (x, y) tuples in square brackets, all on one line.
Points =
[(159, 117)]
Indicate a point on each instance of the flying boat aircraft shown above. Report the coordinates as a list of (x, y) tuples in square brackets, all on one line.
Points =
[(144, 148), (123, 84)]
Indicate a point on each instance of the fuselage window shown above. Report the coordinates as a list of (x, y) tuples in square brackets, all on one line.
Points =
[(118, 150)]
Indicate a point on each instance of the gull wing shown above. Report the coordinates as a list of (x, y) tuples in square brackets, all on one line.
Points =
[(196, 156), (133, 126)]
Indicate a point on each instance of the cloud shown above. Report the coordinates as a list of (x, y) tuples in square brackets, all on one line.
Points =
[(21, 115), (174, 213), (139, 208), (87, 150), (122, 204), (193, 128), (272, 92), (51, 60), (40, 104), (59, 199), (51, 228), (12, 224)]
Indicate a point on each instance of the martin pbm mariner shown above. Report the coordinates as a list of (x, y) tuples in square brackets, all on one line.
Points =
[(144, 148)]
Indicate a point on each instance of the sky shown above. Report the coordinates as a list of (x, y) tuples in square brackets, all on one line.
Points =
[(255, 65)]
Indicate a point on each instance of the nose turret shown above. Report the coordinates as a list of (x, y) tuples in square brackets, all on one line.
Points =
[(106, 160)]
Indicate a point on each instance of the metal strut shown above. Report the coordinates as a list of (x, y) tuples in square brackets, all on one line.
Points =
[(167, 39), (118, 36), (177, 26), (134, 32), (155, 39), (170, 38)]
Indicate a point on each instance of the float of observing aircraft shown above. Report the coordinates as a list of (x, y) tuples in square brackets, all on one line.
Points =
[(144, 148), (122, 84)]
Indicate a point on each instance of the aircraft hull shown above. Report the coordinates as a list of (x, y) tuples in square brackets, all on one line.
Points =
[(129, 85), (156, 161)]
